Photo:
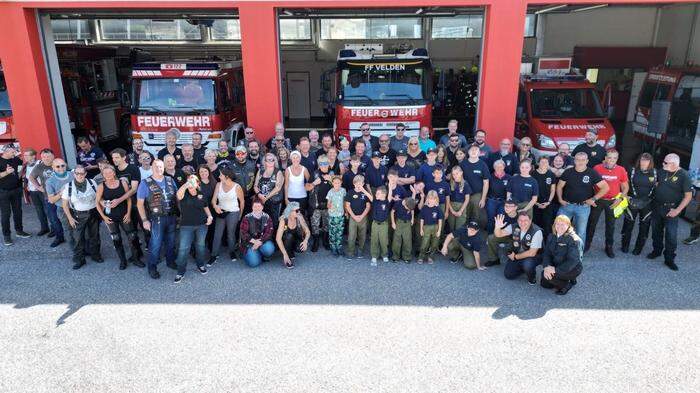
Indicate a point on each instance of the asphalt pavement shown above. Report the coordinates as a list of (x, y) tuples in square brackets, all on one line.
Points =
[(630, 325)]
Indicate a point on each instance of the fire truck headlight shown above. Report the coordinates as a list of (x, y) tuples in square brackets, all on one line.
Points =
[(611, 142), (546, 142)]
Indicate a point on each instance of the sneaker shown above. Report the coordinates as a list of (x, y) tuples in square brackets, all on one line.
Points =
[(350, 257), (202, 269), (386, 259), (430, 261), (671, 265), (78, 264), (22, 234), (420, 261), (154, 273), (374, 262), (407, 261), (233, 256), (8, 241), (51, 234), (212, 261), (178, 278), (42, 232), (122, 265), (691, 240), (359, 255), (56, 242), (532, 281)]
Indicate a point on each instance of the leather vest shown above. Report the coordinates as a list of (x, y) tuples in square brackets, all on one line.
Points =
[(157, 205), (524, 245)]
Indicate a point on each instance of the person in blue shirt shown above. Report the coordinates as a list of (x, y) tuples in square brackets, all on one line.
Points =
[(452, 130), (497, 193), (379, 239), (456, 200), (467, 241), (430, 224), (424, 141), (406, 173), (354, 170), (425, 171), (440, 186), (476, 173), (375, 173), (523, 188), (504, 154)]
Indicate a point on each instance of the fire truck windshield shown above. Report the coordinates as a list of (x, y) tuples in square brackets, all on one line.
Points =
[(371, 82), (565, 103), (174, 95)]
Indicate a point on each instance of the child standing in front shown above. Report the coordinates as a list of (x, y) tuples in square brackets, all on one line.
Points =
[(402, 215), (357, 205), (431, 217), (336, 215), (379, 238)]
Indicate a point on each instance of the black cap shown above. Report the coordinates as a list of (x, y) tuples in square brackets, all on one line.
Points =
[(401, 152), (376, 154), (431, 150), (510, 201), (473, 225)]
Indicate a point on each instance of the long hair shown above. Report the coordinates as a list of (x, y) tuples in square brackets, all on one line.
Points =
[(569, 231), (452, 180), (644, 156)]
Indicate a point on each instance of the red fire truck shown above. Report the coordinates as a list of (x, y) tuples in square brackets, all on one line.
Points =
[(382, 90), (205, 97), (554, 109), (6, 123), (667, 112)]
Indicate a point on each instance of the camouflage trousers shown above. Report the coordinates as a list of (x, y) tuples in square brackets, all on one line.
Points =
[(319, 221)]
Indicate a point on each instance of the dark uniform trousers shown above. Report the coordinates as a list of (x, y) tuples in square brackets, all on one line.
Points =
[(87, 229), (664, 230), (602, 206), (11, 204), (561, 279), (631, 216)]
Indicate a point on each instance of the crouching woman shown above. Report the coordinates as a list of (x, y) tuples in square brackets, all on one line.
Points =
[(561, 257)]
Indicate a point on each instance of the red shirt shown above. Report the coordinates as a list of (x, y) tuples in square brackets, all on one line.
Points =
[(614, 177)]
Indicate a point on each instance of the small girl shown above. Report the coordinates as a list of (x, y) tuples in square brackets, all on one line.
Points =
[(336, 215), (431, 218), (459, 194), (344, 154)]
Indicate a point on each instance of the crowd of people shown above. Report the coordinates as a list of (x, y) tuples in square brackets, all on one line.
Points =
[(412, 197)]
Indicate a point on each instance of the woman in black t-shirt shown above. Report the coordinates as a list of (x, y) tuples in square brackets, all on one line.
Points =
[(195, 216), (115, 209), (414, 156)]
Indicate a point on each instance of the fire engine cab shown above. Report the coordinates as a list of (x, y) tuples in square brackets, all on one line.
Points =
[(204, 97), (556, 106), (382, 90), (667, 113), (6, 123)]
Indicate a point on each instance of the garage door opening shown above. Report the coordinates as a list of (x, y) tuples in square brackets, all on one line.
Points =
[(119, 77), (416, 66)]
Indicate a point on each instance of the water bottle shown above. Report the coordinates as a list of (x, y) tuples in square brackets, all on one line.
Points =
[(108, 207)]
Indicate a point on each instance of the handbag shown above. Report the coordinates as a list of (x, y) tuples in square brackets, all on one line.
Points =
[(640, 202)]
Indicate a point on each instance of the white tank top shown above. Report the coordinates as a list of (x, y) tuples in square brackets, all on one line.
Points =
[(296, 185), (228, 201)]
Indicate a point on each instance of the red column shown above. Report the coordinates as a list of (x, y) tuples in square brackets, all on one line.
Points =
[(504, 26), (27, 82), (261, 72)]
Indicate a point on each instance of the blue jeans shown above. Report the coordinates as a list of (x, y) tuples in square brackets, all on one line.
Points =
[(162, 235), (254, 258), (578, 214), (514, 269), (493, 206), (54, 220), (188, 235)]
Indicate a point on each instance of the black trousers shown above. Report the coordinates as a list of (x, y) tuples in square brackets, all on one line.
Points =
[(11, 205), (37, 198), (560, 279), (544, 218), (602, 206), (87, 234), (664, 232), (291, 242), (631, 216), (115, 229)]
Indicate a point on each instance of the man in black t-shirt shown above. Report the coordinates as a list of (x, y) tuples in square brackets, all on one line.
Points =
[(576, 192), (594, 151), (10, 193), (132, 176), (672, 194), (89, 156)]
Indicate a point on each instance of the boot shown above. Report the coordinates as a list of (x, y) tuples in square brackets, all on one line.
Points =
[(314, 243), (326, 241), (120, 253), (638, 246), (671, 264), (625, 247), (609, 251)]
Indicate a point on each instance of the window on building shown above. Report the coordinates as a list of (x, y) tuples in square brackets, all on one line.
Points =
[(530, 25), (226, 30), (148, 30), (295, 29), (462, 26), (70, 29), (396, 28)]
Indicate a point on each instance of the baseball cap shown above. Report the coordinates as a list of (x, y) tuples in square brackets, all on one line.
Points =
[(401, 152), (431, 150), (376, 154), (473, 225), (510, 201)]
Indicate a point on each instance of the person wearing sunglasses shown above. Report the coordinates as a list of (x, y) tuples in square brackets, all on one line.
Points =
[(371, 141), (594, 151), (54, 190), (504, 154), (79, 205), (452, 126), (386, 154), (672, 194), (399, 141), (524, 151), (244, 170), (292, 234), (279, 139)]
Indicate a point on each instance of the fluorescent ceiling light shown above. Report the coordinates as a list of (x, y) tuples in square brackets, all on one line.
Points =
[(545, 10), (419, 11), (590, 8)]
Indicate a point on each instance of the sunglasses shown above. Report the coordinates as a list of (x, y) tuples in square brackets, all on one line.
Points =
[(79, 173), (270, 159), (364, 129), (241, 153), (413, 143), (249, 132), (526, 144)]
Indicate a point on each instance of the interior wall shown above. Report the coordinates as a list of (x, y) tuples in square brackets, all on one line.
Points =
[(677, 34), (609, 26)]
